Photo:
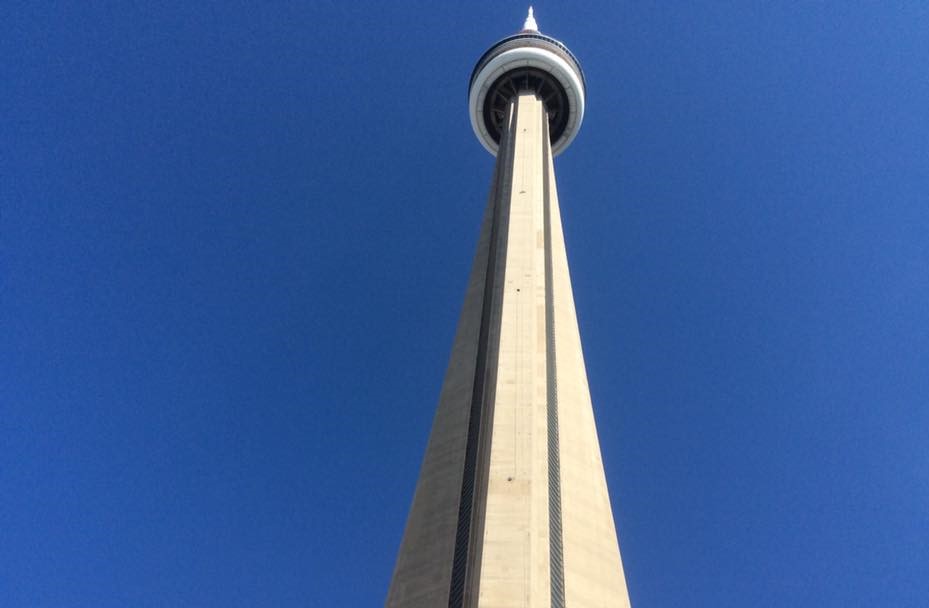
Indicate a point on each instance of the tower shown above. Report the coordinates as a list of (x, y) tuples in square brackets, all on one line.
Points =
[(511, 509)]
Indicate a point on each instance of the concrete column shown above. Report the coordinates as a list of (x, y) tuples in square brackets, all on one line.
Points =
[(511, 509)]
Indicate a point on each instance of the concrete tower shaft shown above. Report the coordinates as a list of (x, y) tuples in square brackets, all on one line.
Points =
[(512, 508)]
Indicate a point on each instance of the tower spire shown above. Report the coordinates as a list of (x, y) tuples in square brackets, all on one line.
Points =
[(530, 25)]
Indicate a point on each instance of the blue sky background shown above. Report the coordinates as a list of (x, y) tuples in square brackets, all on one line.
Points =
[(235, 240)]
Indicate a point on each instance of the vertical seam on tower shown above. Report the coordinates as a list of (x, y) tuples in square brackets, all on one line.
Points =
[(465, 561), (556, 549)]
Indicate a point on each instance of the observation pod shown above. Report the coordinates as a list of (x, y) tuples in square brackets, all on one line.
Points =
[(527, 61)]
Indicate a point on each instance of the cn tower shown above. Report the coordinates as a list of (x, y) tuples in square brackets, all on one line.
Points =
[(511, 509)]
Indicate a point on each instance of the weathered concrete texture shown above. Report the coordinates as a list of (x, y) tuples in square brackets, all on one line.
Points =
[(515, 561), (517, 353), (593, 569)]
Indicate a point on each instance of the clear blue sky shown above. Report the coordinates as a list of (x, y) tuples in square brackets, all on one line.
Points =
[(235, 240)]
